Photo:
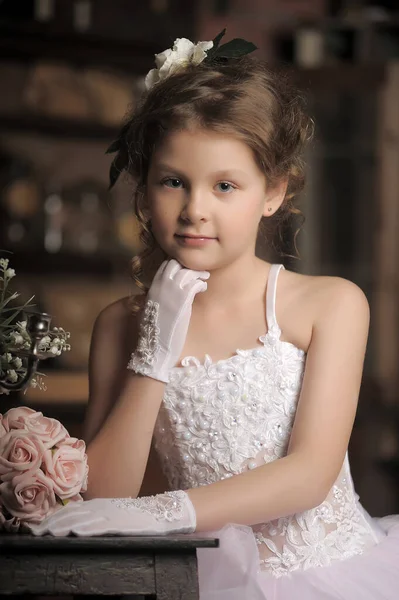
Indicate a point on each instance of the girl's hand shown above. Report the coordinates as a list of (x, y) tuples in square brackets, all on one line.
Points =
[(165, 319), (171, 512)]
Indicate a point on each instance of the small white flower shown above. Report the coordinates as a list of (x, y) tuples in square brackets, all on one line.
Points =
[(9, 273), (17, 363), (12, 375), (3, 263), (17, 338), (54, 350), (38, 382), (183, 53)]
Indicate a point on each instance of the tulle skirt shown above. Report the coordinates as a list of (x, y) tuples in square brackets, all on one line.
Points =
[(231, 571)]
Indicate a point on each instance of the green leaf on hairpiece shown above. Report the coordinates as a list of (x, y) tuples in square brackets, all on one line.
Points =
[(117, 144), (114, 147), (234, 49), (217, 39), (216, 42), (117, 166)]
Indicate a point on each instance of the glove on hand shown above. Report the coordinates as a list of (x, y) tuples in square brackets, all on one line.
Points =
[(171, 512), (165, 320)]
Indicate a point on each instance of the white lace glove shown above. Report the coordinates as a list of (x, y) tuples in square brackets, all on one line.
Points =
[(165, 319), (171, 512)]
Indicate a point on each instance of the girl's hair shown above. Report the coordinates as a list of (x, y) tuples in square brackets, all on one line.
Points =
[(241, 97)]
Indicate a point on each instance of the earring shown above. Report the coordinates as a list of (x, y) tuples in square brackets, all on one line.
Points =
[(270, 209)]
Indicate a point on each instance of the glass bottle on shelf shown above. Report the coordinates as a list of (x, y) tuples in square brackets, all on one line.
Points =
[(54, 217)]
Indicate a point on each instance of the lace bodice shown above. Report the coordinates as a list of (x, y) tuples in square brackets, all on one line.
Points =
[(221, 418)]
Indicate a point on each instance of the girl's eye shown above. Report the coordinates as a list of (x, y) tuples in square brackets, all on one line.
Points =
[(224, 186), (172, 182)]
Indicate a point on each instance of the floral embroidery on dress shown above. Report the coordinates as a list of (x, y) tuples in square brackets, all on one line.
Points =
[(143, 358), (219, 418), (334, 530)]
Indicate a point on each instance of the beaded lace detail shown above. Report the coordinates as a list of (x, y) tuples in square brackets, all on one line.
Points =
[(334, 530), (221, 418), (142, 360), (163, 507)]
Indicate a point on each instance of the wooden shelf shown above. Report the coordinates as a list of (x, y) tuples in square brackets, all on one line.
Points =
[(66, 264), (31, 43), (63, 387), (60, 128), (339, 77)]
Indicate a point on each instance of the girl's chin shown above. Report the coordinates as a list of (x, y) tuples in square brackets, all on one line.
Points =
[(195, 263)]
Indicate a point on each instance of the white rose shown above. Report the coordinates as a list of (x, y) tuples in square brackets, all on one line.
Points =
[(183, 53)]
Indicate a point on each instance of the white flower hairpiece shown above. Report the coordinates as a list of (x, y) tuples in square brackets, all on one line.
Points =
[(183, 53)]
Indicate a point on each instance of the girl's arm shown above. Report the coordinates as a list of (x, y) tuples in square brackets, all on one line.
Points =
[(122, 408), (322, 427), (119, 451)]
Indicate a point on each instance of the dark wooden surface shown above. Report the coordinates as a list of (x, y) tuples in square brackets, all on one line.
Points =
[(160, 567)]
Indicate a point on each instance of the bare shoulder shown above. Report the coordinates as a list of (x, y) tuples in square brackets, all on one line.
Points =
[(117, 322), (325, 292), (117, 313), (310, 301)]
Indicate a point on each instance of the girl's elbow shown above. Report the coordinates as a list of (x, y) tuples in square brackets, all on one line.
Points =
[(319, 491)]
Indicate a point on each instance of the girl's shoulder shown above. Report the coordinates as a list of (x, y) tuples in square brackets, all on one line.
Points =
[(314, 289), (117, 322), (317, 301)]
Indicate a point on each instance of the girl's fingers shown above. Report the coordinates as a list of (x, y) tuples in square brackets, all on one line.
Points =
[(171, 269), (185, 276), (198, 286)]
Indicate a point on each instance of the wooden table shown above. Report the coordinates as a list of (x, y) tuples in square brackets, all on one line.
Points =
[(164, 568)]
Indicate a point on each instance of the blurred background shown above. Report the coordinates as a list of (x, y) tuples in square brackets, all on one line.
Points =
[(68, 71)]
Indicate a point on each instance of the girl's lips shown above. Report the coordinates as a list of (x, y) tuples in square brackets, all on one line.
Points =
[(189, 240)]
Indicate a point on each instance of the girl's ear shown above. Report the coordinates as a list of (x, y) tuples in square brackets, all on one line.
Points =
[(274, 197)]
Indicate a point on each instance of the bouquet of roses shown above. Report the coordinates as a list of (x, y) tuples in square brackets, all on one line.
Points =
[(42, 468)]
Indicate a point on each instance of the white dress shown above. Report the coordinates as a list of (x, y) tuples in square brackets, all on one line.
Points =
[(221, 418)]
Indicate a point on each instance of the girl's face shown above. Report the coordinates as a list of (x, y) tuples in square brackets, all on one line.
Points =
[(206, 197)]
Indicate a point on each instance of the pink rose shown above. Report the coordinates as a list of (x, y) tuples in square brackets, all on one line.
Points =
[(15, 418), (67, 467), (28, 496), (81, 446), (50, 431), (20, 451)]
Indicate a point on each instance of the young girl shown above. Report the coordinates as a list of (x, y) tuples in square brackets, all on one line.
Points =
[(245, 375)]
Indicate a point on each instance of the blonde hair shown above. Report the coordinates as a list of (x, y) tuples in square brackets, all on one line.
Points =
[(241, 97)]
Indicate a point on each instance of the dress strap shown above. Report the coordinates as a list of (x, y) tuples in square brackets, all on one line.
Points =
[(271, 292)]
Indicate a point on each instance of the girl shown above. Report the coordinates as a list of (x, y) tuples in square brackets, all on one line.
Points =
[(253, 441)]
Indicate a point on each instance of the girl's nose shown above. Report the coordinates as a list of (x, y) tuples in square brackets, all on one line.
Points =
[(195, 207)]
